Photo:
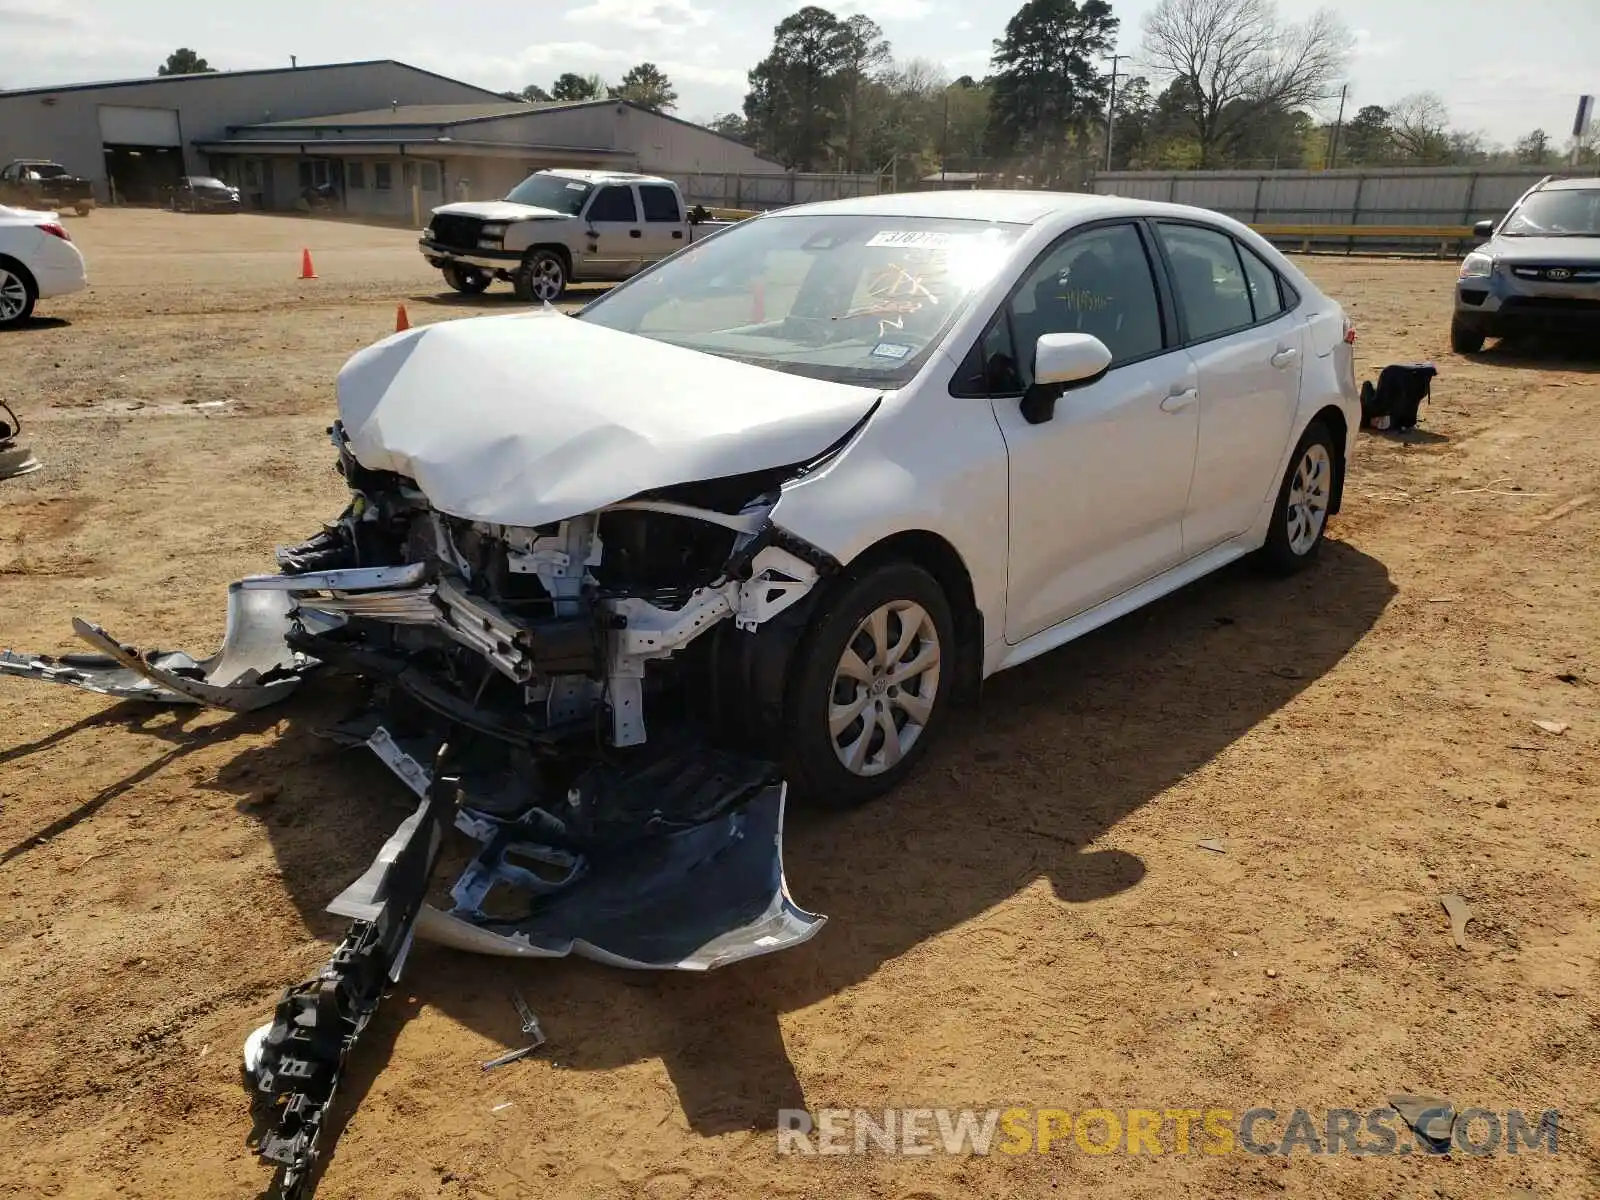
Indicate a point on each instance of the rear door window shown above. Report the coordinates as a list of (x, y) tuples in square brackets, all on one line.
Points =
[(660, 203), (1262, 282), (1212, 294), (614, 203)]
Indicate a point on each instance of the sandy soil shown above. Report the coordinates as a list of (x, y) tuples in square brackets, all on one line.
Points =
[(1030, 923)]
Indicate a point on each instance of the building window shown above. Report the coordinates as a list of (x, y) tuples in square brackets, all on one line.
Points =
[(314, 172), (430, 177), (355, 175), (383, 176)]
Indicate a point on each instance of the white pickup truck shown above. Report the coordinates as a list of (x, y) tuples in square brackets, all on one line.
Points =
[(558, 227)]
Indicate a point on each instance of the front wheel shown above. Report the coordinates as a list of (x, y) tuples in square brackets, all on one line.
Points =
[(1301, 515), (870, 685), (17, 296), (469, 281), (542, 277), (1464, 339)]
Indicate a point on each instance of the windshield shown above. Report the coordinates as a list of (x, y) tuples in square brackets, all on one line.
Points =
[(1573, 213), (47, 170), (552, 192), (848, 298)]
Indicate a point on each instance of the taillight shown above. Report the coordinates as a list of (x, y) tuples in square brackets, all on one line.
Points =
[(1349, 332), (55, 230)]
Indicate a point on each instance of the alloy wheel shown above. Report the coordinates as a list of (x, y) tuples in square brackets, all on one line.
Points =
[(1308, 498), (13, 296), (546, 279), (884, 687)]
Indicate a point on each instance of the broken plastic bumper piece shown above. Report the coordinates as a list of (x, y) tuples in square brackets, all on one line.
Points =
[(690, 899), (254, 668)]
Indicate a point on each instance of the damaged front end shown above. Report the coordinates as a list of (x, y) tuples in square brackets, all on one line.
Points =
[(536, 653)]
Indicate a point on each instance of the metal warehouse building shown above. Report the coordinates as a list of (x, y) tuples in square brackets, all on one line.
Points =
[(388, 137)]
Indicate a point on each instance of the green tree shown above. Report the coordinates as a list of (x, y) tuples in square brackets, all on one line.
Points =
[(646, 86), (863, 51), (533, 94), (730, 125), (797, 98), (1368, 139), (1534, 148), (1240, 62), (1047, 85), (571, 86), (184, 61), (1134, 112)]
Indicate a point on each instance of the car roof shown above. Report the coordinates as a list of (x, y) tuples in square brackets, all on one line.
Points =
[(602, 176), (1569, 185), (1005, 207)]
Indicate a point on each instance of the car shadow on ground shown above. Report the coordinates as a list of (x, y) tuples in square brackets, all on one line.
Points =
[(497, 299), (36, 325), (1075, 741), (1544, 353)]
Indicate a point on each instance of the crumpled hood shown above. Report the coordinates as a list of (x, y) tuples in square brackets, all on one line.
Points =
[(531, 418), (501, 210)]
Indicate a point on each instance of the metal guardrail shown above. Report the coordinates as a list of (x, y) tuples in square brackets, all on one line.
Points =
[(1448, 238)]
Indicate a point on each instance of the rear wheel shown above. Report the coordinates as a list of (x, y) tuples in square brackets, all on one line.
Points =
[(1301, 515), (542, 277), (469, 281), (870, 685), (1464, 339), (17, 295)]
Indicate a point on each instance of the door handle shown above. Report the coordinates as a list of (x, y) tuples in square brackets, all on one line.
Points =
[(635, 233), (1285, 356), (677, 235), (1178, 401)]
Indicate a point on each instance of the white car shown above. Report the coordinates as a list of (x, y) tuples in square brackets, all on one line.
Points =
[(757, 519), (37, 261)]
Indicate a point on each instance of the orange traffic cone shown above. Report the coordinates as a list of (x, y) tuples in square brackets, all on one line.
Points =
[(307, 271), (401, 321)]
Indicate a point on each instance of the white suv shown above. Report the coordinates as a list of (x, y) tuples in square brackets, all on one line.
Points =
[(37, 260)]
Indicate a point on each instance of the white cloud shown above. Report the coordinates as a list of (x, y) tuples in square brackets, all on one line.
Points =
[(887, 10), (645, 15)]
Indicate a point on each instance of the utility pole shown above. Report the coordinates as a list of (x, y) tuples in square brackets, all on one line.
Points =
[(1338, 123), (944, 135), (1111, 108)]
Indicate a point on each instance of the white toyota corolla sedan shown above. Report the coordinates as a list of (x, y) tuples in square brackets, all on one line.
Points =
[(37, 261), (756, 519)]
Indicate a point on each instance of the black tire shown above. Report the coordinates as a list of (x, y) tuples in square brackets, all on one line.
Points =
[(1464, 339), (1287, 549), (812, 763), (14, 276), (83, 210), (541, 265), (469, 281)]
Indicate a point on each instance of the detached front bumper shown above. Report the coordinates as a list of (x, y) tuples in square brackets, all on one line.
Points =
[(663, 858)]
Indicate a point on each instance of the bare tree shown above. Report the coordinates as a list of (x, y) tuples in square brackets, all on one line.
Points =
[(1421, 129), (1238, 61)]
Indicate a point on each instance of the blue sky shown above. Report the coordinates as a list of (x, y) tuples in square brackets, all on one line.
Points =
[(1502, 68)]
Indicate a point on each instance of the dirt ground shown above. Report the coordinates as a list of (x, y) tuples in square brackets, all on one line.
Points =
[(1029, 923)]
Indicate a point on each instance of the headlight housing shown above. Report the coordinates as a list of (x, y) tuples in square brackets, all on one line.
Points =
[(492, 229), (1476, 266)]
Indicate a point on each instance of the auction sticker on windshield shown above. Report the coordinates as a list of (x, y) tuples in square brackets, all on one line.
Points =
[(917, 239)]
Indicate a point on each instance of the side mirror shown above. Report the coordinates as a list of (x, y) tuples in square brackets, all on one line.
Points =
[(1483, 229), (1062, 361)]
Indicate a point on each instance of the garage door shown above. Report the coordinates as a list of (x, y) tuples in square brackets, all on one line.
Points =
[(123, 126)]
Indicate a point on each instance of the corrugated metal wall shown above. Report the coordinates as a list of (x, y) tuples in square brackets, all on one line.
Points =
[(771, 190), (1388, 196)]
